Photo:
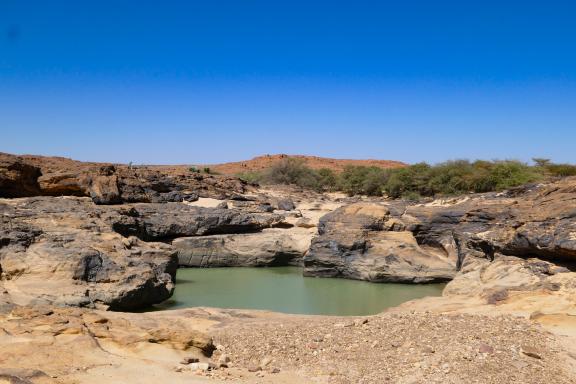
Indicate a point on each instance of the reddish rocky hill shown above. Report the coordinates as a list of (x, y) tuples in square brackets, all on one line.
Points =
[(263, 162)]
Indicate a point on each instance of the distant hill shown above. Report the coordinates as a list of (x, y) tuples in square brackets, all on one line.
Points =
[(263, 162), (50, 164)]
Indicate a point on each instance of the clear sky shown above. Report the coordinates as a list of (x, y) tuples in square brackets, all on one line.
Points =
[(219, 80)]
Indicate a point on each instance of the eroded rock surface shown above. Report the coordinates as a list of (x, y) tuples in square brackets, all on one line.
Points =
[(268, 248), (22, 176), (357, 242), (61, 251), (391, 240), (43, 344), (167, 221), (17, 178)]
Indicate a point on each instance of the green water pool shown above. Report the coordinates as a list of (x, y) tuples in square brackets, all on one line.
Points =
[(284, 289)]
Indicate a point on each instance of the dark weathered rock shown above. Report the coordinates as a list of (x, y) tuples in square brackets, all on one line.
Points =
[(353, 243), (286, 205), (394, 240), (155, 222), (79, 261)]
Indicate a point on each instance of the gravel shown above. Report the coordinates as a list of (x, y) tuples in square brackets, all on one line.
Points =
[(400, 348)]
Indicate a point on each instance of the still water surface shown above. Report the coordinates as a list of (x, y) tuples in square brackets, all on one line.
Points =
[(284, 289)]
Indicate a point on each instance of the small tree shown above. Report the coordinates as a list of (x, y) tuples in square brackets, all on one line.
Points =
[(540, 162)]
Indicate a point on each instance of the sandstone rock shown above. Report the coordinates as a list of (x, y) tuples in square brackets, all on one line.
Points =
[(485, 348), (37, 348), (107, 183), (104, 186), (531, 352), (352, 243), (223, 361), (267, 248), (492, 280), (18, 179), (80, 261), (199, 366), (370, 241), (305, 223)]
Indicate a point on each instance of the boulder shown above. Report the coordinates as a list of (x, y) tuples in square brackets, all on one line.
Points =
[(79, 261), (18, 179), (159, 222), (494, 280), (391, 240), (286, 205), (104, 186), (271, 247), (353, 243)]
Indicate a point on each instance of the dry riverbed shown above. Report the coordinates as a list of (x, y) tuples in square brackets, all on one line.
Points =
[(398, 348)]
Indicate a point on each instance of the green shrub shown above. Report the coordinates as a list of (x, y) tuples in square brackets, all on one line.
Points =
[(414, 181), (507, 174), (250, 177), (327, 179), (291, 171), (360, 180), (561, 170), (458, 177)]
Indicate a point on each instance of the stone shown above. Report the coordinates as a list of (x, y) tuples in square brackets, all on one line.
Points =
[(531, 352), (265, 362), (286, 205), (223, 361), (89, 264), (199, 366), (485, 348), (17, 178), (271, 247), (352, 242), (401, 242), (254, 368), (159, 222), (189, 360)]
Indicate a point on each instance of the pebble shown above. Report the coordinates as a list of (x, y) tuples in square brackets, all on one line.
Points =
[(199, 366), (531, 352), (485, 348), (189, 360)]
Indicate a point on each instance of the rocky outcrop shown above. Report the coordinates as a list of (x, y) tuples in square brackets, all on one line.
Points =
[(60, 251), (110, 184), (18, 179), (159, 222), (356, 242), (50, 345), (495, 281), (379, 241), (271, 247)]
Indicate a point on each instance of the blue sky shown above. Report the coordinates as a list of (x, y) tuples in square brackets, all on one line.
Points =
[(211, 81)]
